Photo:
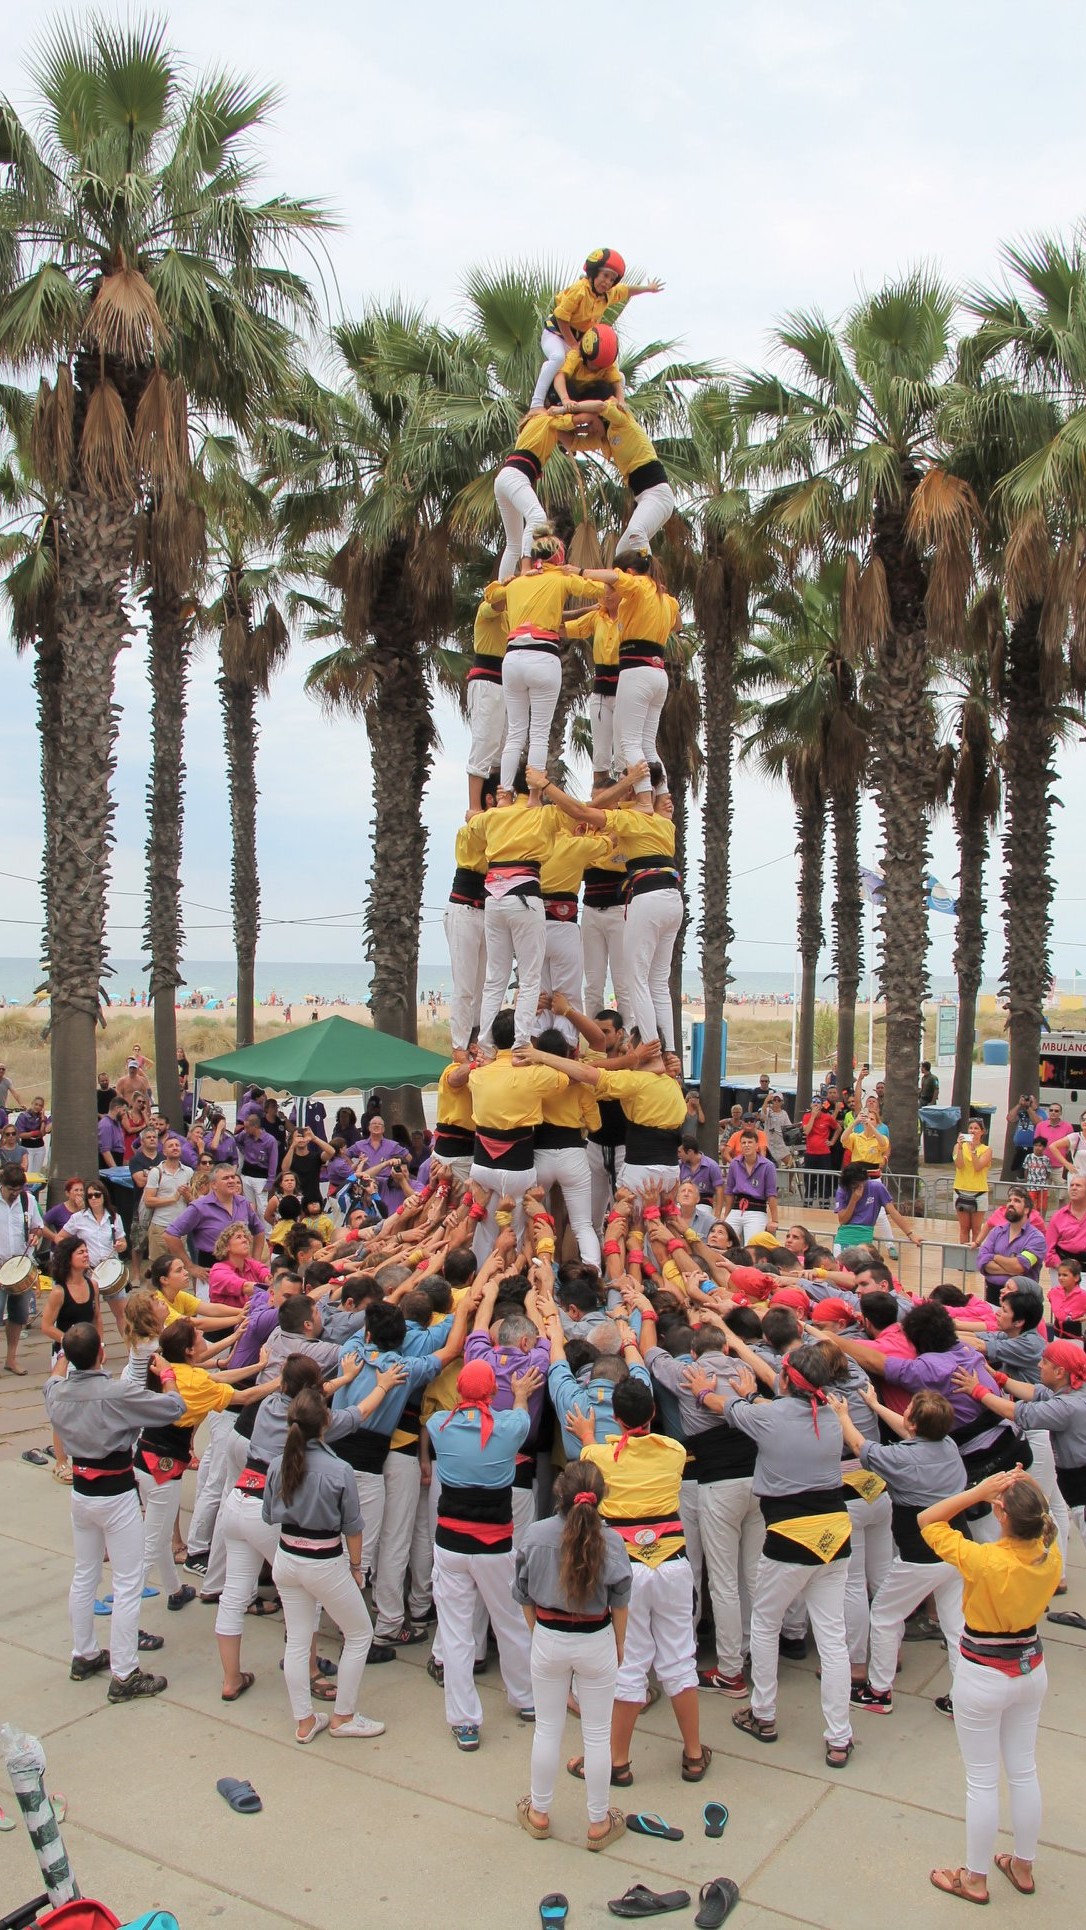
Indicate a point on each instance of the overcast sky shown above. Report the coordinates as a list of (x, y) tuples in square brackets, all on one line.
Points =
[(757, 156)]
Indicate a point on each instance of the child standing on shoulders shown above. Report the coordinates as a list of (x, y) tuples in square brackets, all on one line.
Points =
[(580, 306)]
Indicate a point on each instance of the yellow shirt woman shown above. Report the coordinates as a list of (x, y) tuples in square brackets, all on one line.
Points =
[(642, 834), (580, 307), (535, 602), (646, 613), (1006, 1585), (862, 1142)]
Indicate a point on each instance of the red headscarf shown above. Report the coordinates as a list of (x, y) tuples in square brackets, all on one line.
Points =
[(1068, 1355), (793, 1297), (831, 1310), (476, 1385), (815, 1394)]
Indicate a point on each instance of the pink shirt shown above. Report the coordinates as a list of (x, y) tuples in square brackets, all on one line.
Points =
[(893, 1343), (231, 1287), (1067, 1306), (1066, 1229), (977, 1310)]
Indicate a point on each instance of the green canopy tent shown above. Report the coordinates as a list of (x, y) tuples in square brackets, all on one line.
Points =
[(331, 1055)]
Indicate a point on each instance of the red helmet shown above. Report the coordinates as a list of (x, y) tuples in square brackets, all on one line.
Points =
[(599, 346), (604, 258)]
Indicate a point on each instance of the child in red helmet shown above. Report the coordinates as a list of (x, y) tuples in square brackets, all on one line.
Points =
[(591, 365), (581, 306)]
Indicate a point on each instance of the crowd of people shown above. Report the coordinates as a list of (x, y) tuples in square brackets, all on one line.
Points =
[(551, 1378)]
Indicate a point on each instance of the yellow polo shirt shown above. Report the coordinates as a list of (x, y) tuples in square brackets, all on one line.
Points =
[(539, 434), (453, 1103), (185, 1306), (538, 599), (1006, 1585), (647, 1098), (577, 1108), (577, 372), (599, 629), (580, 307), (645, 612), (630, 448), (643, 1484), (642, 834), (202, 1395), (569, 858), (505, 1096), (491, 633), (469, 847), (519, 830)]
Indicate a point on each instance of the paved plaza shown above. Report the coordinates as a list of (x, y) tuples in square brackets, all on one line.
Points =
[(406, 1831)]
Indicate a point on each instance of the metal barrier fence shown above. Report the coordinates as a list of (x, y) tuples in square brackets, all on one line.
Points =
[(813, 1188)]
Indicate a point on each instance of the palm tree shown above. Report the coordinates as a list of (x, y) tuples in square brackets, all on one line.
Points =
[(731, 555), (813, 735), (679, 745), (1020, 429), (244, 616), (968, 774), (135, 262), (851, 443)]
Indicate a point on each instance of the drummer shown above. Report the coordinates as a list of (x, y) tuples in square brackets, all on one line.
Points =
[(106, 1243), (20, 1228)]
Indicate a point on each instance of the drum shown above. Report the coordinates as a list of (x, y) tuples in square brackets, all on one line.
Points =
[(110, 1277), (18, 1274)]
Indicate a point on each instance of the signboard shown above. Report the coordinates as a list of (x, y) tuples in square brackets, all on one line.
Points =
[(946, 1028)]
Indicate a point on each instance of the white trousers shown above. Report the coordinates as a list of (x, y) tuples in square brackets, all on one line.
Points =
[(161, 1504), (255, 1191), (732, 1533), (303, 1583), (403, 1483), (638, 704), (603, 945), (563, 967), (531, 681), (869, 1565), (1044, 1473), (635, 1178), (501, 1180), (601, 716), (237, 1448), (250, 1542), (522, 514), (747, 1221), (108, 1524), (486, 721), (421, 1592), (660, 1631), (515, 930), (823, 1590), (559, 1655), (996, 1717), (459, 1582), (554, 350), (651, 511), (567, 1167), (903, 1588), (371, 1500), (690, 1516), (602, 1192), (210, 1481), (652, 925), (465, 935)]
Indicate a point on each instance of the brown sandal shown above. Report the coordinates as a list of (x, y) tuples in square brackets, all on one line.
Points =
[(1005, 1865), (696, 1767), (954, 1886), (616, 1827), (748, 1722), (621, 1773), (524, 1818)]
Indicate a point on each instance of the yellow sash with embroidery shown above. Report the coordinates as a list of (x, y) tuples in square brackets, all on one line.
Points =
[(821, 1535), (863, 1482)]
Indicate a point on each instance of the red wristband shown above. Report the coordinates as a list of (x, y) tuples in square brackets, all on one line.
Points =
[(648, 1264), (675, 1246), (476, 1212), (999, 1379), (650, 1212), (611, 1248)]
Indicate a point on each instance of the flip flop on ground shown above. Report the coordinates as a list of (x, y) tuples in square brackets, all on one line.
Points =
[(241, 1796), (718, 1900), (640, 1901)]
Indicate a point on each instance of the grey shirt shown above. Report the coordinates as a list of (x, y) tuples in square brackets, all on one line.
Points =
[(917, 1473), (537, 1562), (281, 1346), (792, 1458), (669, 1372), (858, 1411), (325, 1501), (269, 1436), (1061, 1415), (96, 1416), (340, 1324), (1018, 1355)]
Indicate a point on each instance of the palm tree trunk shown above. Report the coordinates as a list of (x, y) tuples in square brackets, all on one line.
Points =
[(680, 795), (719, 711), (847, 923), (1029, 776), (240, 731), (969, 942), (48, 673), (168, 666), (903, 750), (811, 826), (92, 627)]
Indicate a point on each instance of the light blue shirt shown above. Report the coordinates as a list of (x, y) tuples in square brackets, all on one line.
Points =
[(588, 1396), (386, 1418), (463, 1461)]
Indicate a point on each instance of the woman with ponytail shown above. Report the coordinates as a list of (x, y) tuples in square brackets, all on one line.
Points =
[(311, 1496), (573, 1580), (1000, 1681)]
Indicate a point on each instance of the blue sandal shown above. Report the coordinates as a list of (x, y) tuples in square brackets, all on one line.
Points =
[(649, 1824), (715, 1815), (553, 1908)]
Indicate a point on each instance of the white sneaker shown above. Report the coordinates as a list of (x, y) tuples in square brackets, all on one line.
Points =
[(363, 1726)]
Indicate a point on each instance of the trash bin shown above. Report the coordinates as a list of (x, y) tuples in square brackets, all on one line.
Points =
[(940, 1124), (985, 1114), (996, 1052)]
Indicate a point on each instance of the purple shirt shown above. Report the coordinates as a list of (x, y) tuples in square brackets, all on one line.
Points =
[(761, 1184), (1026, 1244), (337, 1172), (205, 1219), (261, 1320), (57, 1217), (226, 1152), (873, 1199), (507, 1361), (706, 1175), (371, 1155), (312, 1114), (260, 1153), (32, 1123), (188, 1155), (111, 1139), (937, 1371), (248, 1107)]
